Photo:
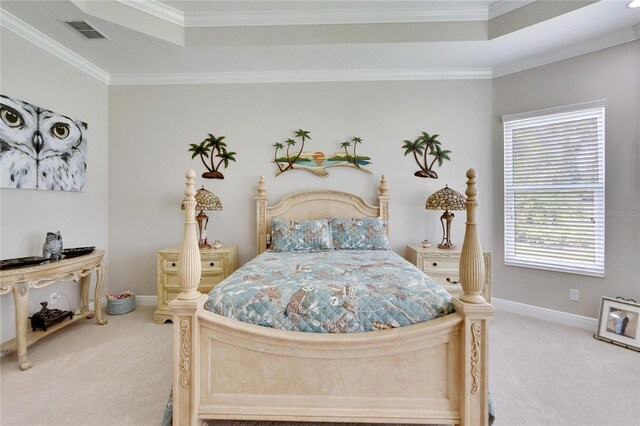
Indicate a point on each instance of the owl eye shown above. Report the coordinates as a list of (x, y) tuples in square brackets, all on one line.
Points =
[(60, 130), (10, 116)]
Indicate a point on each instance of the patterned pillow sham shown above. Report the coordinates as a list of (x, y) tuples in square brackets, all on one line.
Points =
[(368, 233), (301, 235)]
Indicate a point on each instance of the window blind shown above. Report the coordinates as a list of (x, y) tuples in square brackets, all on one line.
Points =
[(554, 189)]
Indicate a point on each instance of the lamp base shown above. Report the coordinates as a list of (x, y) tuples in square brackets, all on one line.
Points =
[(446, 246), (204, 244), (446, 220)]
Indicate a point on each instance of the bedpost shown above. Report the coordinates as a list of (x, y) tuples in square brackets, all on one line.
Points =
[(383, 200), (189, 267), (471, 259), (186, 358), (261, 215), (474, 389)]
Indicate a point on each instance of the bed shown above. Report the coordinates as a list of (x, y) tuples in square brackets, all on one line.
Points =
[(428, 372)]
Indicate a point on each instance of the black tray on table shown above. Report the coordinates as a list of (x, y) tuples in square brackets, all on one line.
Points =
[(77, 251), (22, 261), (19, 262)]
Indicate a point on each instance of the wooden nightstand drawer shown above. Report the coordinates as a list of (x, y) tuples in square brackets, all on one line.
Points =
[(213, 265), (446, 278), (207, 280), (444, 264), (216, 266), (171, 293), (171, 265)]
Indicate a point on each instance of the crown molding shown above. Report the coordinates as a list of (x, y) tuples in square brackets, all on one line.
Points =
[(307, 17), (157, 9), (503, 7), (301, 76), (589, 46), (26, 31), (333, 17)]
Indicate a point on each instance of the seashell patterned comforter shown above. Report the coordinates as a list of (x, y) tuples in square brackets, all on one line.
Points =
[(335, 291)]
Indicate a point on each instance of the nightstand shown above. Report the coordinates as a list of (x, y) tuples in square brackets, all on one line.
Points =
[(217, 264), (443, 267)]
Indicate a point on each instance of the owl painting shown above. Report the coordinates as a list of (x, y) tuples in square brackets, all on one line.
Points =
[(40, 149)]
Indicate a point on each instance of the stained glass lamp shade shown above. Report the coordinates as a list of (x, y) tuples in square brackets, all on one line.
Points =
[(446, 199), (205, 201)]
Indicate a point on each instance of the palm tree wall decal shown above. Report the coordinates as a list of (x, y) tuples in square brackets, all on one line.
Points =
[(303, 135), (352, 158), (421, 148), (315, 162), (212, 150)]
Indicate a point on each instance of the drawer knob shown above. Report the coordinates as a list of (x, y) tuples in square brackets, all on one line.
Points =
[(435, 264), (211, 264), (173, 264), (452, 282)]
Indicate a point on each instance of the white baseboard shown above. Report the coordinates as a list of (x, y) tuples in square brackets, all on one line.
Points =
[(146, 300), (532, 311), (140, 301)]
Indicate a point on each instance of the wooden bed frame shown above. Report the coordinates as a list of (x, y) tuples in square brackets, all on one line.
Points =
[(432, 372)]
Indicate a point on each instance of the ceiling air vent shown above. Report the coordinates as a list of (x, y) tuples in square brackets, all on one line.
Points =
[(85, 29)]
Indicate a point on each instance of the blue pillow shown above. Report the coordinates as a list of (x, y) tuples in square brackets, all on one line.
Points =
[(368, 233), (302, 235)]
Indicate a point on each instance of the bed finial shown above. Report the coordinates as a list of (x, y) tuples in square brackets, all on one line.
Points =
[(471, 258), (384, 187), (471, 190), (189, 267), (262, 186)]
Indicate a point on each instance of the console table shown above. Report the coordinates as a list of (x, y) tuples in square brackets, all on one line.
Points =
[(20, 280)]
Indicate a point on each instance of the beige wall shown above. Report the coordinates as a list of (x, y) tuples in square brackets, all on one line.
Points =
[(151, 128), (33, 75), (131, 206), (612, 74)]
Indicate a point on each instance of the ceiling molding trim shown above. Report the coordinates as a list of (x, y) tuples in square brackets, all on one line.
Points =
[(589, 46), (301, 76), (26, 31), (307, 17), (503, 7), (157, 9), (332, 17)]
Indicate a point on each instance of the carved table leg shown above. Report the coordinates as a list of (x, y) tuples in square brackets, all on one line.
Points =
[(100, 271), (84, 292), (21, 299)]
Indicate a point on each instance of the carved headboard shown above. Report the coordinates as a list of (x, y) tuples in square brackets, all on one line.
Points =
[(315, 204)]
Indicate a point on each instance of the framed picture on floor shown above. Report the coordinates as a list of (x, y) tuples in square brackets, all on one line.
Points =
[(618, 322)]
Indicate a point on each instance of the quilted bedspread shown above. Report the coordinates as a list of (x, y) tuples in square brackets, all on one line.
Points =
[(336, 291)]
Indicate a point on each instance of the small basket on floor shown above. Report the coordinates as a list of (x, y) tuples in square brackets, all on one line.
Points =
[(121, 303)]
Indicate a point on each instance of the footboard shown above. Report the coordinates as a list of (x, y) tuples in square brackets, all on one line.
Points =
[(409, 374), (432, 372)]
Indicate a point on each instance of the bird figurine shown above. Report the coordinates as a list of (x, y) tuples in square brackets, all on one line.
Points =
[(52, 247)]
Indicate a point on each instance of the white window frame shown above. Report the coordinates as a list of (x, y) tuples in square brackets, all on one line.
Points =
[(548, 261)]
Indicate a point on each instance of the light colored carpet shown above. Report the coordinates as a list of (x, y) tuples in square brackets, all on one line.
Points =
[(119, 374)]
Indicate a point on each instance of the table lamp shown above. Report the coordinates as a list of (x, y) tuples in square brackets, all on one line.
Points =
[(205, 200), (446, 199)]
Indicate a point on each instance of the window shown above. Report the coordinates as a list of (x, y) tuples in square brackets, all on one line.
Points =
[(554, 189)]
